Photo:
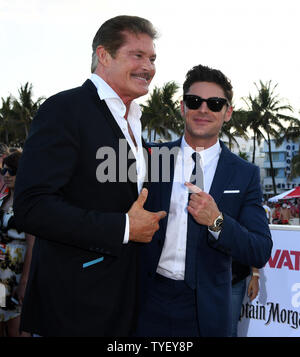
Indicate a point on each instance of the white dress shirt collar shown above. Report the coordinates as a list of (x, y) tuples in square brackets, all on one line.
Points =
[(207, 155), (105, 92)]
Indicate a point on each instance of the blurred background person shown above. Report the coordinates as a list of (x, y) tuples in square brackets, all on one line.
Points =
[(4, 151), (267, 210), (14, 257), (276, 214), (285, 214), (240, 272)]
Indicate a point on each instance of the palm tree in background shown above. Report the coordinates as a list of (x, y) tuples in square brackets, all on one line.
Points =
[(161, 114), (292, 133), (252, 122), (25, 108), (235, 127), (6, 119), (295, 168), (267, 110)]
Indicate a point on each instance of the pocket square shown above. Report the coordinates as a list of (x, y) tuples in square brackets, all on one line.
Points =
[(232, 191), (92, 262)]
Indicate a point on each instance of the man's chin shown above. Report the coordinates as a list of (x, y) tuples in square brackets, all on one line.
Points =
[(142, 91)]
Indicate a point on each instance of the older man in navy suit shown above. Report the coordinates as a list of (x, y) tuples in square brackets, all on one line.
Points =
[(213, 200), (86, 214)]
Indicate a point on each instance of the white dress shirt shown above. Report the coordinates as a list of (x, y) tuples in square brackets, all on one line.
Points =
[(118, 110), (172, 260)]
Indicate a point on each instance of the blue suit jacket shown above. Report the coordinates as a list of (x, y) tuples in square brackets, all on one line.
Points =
[(245, 237)]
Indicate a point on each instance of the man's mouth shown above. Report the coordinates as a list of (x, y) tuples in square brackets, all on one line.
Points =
[(142, 76), (202, 120)]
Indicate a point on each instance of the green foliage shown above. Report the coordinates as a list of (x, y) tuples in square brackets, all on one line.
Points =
[(16, 115), (266, 117), (161, 114)]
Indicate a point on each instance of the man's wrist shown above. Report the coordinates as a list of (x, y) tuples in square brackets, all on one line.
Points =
[(217, 223)]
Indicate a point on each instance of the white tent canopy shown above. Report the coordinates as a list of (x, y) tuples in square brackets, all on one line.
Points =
[(280, 196)]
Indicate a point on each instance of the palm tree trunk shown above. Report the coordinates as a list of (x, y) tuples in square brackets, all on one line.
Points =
[(271, 166), (254, 148)]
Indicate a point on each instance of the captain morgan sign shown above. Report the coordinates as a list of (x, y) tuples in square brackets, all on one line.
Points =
[(276, 310)]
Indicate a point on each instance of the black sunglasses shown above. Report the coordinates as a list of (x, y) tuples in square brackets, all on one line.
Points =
[(215, 104), (12, 172)]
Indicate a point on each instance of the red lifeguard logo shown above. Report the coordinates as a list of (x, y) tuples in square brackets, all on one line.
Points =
[(285, 258)]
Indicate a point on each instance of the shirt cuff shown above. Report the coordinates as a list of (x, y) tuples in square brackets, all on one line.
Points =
[(214, 234), (126, 234)]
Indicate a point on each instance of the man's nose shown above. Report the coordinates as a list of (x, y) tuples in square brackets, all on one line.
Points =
[(203, 107)]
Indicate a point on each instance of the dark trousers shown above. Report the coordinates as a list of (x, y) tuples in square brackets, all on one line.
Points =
[(169, 310)]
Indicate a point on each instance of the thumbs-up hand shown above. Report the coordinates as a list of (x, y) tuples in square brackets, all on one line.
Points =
[(143, 224)]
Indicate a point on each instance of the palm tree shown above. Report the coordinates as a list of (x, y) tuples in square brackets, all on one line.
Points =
[(161, 113), (292, 133), (252, 122), (295, 172), (268, 111), (25, 108), (6, 118), (235, 127)]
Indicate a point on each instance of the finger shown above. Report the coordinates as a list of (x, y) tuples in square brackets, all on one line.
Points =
[(193, 204), (161, 214), (196, 197), (142, 197), (191, 210), (192, 188)]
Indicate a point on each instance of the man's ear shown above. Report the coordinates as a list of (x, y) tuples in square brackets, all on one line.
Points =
[(103, 56), (228, 113)]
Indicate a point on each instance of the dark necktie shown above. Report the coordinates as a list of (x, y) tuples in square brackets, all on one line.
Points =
[(197, 173), (193, 228)]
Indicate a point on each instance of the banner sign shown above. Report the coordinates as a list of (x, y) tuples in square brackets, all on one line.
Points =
[(276, 310)]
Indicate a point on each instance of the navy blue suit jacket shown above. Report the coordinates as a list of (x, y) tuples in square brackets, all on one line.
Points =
[(245, 237)]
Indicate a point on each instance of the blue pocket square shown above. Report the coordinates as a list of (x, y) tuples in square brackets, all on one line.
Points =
[(92, 262)]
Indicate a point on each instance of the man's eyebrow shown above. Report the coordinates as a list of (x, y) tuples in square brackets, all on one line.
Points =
[(141, 52)]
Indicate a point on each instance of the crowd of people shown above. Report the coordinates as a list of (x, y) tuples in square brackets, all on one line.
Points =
[(15, 248), (286, 212)]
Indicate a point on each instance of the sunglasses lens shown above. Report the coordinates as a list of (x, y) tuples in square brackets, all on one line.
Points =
[(11, 172), (216, 104), (192, 101)]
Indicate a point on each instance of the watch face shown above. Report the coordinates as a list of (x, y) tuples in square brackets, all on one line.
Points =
[(219, 222)]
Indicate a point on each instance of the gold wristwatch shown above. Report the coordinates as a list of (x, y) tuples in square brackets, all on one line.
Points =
[(217, 225)]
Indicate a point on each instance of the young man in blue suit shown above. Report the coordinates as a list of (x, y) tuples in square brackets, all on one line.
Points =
[(88, 222), (187, 266)]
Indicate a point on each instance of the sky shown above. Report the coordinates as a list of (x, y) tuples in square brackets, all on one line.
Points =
[(48, 42)]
